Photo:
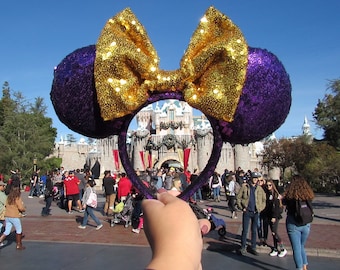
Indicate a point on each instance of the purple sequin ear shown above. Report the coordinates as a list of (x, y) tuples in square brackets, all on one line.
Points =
[(74, 95), (265, 101)]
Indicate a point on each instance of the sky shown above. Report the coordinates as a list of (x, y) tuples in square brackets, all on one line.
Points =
[(36, 35)]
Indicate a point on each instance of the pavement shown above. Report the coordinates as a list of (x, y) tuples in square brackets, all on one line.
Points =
[(58, 234), (324, 239)]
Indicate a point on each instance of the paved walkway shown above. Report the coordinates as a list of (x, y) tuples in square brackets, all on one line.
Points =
[(62, 227)]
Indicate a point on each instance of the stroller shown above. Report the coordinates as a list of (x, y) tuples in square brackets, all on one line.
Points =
[(57, 191), (216, 223), (122, 212)]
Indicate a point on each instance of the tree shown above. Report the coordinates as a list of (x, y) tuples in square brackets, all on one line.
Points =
[(301, 153), (323, 168), (327, 114), (318, 162), (25, 134), (70, 138), (277, 154), (7, 105)]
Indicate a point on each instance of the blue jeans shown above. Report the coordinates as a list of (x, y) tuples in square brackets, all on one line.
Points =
[(89, 212), (35, 189), (46, 209), (247, 217), (1, 225), (198, 195), (298, 236), (10, 222), (216, 192)]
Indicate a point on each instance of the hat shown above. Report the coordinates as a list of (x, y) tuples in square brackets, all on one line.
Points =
[(2, 183), (255, 175)]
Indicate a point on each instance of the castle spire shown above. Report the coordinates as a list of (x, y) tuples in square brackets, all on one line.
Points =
[(306, 127)]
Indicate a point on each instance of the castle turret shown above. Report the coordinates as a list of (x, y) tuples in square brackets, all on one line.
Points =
[(306, 127)]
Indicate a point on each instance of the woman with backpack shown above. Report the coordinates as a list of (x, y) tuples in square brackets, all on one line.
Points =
[(215, 183), (271, 217), (298, 200)]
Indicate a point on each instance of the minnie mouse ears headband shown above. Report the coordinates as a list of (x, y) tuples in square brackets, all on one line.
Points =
[(245, 92)]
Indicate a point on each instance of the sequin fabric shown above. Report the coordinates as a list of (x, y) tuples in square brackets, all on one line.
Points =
[(211, 74)]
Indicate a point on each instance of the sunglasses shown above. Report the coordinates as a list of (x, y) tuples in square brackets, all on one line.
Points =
[(269, 185)]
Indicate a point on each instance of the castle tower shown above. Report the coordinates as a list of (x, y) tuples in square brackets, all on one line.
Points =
[(306, 128), (306, 131), (242, 156)]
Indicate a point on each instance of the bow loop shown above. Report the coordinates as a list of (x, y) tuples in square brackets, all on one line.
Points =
[(125, 58), (217, 57)]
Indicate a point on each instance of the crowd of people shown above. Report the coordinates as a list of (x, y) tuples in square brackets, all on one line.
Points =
[(251, 193), (263, 205)]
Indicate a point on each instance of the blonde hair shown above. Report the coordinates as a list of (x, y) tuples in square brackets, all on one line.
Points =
[(175, 182)]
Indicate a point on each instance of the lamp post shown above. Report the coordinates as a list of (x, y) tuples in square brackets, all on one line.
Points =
[(34, 165)]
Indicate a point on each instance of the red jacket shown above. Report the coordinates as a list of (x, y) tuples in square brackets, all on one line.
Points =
[(124, 187)]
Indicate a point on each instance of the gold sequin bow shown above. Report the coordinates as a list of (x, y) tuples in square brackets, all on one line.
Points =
[(211, 74)]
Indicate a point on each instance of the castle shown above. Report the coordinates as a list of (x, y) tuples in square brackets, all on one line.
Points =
[(164, 135)]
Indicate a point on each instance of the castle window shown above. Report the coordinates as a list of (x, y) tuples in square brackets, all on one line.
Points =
[(171, 115)]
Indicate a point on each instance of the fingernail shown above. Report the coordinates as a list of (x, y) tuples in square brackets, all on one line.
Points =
[(162, 190), (204, 229)]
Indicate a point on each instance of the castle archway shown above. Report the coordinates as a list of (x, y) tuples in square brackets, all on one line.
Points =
[(169, 161)]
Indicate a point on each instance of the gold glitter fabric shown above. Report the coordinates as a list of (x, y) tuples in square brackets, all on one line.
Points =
[(211, 74)]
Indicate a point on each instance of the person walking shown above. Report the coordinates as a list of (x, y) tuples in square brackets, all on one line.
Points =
[(271, 217), (35, 184), (298, 192), (14, 209), (251, 200), (89, 209), (48, 194), (232, 194)]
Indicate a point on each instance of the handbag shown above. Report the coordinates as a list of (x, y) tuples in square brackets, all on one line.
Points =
[(2, 215), (92, 200)]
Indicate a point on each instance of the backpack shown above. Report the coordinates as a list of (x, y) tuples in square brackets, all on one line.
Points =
[(237, 187), (92, 200), (215, 179), (303, 213)]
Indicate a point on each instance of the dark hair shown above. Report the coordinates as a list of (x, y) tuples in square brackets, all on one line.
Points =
[(91, 182)]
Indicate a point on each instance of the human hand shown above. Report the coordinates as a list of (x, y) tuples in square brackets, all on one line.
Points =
[(174, 233)]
